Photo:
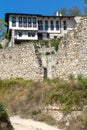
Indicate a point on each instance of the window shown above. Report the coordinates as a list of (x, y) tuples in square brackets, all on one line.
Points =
[(64, 25), (55, 36), (29, 22), (31, 34), (25, 22), (13, 21), (52, 25), (46, 25), (20, 21), (20, 34), (40, 25), (34, 22), (57, 25)]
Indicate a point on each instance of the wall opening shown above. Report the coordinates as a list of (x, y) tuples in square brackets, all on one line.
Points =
[(40, 36), (45, 73)]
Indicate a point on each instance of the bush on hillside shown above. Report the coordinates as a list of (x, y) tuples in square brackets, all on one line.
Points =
[(70, 95), (29, 98), (55, 43), (3, 113)]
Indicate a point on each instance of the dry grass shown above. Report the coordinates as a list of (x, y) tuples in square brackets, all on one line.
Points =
[(28, 98)]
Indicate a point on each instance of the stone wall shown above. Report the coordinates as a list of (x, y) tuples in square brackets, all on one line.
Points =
[(30, 61), (72, 52), (20, 61)]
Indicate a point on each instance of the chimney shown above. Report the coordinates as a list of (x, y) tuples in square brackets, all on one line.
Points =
[(57, 13)]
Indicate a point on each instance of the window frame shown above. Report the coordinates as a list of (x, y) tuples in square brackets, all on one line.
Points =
[(40, 25), (29, 22), (13, 21), (52, 25), (46, 25), (57, 25), (34, 21), (64, 25), (20, 20), (24, 21), (20, 34)]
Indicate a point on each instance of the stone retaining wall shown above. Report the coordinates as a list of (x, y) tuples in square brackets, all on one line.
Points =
[(72, 52), (20, 61), (29, 61)]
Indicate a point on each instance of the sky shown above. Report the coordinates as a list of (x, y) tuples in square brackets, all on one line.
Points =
[(44, 7)]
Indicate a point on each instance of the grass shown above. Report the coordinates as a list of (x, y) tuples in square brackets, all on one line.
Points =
[(28, 98), (55, 43)]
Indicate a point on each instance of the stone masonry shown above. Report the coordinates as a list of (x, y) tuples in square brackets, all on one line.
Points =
[(20, 61), (72, 52), (29, 61)]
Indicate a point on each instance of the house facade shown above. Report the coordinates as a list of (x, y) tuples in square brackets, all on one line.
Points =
[(25, 27)]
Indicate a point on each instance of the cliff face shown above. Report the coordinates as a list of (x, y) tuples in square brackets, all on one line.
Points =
[(72, 52)]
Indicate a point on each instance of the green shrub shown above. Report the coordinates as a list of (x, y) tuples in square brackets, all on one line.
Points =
[(71, 77), (3, 113), (55, 43), (25, 95), (70, 95), (48, 53), (0, 46), (79, 77)]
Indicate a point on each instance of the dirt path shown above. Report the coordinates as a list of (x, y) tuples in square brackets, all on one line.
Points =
[(28, 124)]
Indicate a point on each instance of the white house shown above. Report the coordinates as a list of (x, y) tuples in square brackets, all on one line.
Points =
[(25, 27)]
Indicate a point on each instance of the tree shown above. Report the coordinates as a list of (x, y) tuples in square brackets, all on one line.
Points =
[(3, 33), (74, 10), (85, 7), (85, 1), (63, 11)]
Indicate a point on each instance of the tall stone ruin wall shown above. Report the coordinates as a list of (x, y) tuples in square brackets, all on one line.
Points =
[(72, 52), (20, 61), (29, 61)]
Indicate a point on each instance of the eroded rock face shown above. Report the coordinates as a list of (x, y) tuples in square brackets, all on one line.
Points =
[(72, 52)]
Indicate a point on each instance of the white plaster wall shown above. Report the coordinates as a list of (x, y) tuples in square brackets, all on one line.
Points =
[(70, 25)]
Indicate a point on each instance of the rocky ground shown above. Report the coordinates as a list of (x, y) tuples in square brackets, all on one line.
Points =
[(28, 124)]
